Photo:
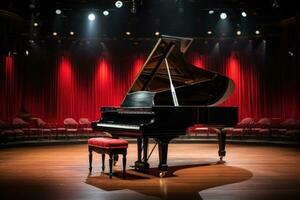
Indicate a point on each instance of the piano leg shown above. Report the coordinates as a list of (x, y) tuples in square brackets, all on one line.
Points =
[(139, 149), (90, 159), (142, 146), (145, 149), (163, 155), (222, 143)]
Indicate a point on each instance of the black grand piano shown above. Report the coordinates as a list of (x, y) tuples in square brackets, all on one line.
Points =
[(167, 97)]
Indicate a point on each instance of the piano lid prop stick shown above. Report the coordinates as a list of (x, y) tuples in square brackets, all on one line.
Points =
[(173, 92)]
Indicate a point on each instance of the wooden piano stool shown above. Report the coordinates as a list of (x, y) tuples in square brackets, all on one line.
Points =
[(110, 146)]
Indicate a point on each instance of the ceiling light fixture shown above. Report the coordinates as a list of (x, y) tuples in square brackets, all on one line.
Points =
[(223, 15), (58, 11), (105, 13), (119, 4), (91, 17)]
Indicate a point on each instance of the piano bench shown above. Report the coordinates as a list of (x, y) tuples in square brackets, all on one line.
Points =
[(110, 146)]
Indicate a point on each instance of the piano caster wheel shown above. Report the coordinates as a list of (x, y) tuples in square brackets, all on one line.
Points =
[(221, 161), (162, 174)]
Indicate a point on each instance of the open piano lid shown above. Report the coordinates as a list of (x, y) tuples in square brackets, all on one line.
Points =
[(193, 85)]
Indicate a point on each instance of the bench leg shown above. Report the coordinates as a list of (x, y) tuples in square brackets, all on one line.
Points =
[(103, 162), (90, 159), (110, 165), (124, 165)]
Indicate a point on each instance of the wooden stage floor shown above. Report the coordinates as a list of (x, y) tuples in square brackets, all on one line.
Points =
[(61, 173)]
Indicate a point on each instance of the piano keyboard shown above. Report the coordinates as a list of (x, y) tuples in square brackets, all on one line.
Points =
[(122, 126), (136, 112)]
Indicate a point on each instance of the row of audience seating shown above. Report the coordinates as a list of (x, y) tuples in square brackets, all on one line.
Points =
[(38, 128), (246, 128), (262, 128)]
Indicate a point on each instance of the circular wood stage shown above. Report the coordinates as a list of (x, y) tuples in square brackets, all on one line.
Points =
[(61, 173)]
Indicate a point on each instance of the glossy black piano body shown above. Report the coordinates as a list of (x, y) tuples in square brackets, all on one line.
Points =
[(153, 109)]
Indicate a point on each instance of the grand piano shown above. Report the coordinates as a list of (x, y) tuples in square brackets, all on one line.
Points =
[(167, 97)]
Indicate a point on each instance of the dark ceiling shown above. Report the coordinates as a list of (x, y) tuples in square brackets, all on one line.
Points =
[(286, 8), (174, 17)]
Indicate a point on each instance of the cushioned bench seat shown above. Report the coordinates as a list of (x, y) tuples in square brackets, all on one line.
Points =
[(110, 146), (108, 143)]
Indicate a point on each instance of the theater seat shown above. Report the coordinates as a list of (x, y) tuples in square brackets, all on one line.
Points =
[(263, 127), (247, 122), (197, 129), (44, 127), (244, 127), (3, 125), (85, 125), (295, 131), (20, 124), (71, 126), (241, 129)]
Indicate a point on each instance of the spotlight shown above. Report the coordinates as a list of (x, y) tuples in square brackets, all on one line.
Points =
[(244, 14), (54, 33), (180, 4), (35, 24), (223, 15), (27, 52), (156, 33), (238, 33), (291, 53), (211, 12), (31, 6), (275, 4), (105, 12), (209, 32), (92, 17), (133, 7), (58, 11), (119, 4), (128, 33), (257, 32), (71, 33)]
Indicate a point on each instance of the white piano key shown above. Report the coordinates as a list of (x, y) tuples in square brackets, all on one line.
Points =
[(133, 127)]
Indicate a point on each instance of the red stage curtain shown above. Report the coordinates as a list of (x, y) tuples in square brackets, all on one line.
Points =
[(75, 84), (10, 98)]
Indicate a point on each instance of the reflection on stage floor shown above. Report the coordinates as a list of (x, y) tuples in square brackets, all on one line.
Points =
[(61, 173)]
